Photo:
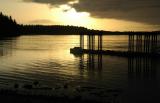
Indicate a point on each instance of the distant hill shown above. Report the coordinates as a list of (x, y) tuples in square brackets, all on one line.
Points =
[(9, 27), (51, 29)]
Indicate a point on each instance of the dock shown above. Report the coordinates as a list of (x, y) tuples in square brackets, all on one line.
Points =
[(138, 45), (79, 51)]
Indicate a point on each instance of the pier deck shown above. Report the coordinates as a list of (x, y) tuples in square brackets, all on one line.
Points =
[(79, 51)]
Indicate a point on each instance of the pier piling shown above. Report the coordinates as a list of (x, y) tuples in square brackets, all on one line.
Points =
[(82, 41), (146, 43), (100, 42), (139, 44)]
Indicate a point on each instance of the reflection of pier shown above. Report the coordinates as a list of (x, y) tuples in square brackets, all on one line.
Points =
[(143, 86), (92, 63), (141, 44), (141, 67)]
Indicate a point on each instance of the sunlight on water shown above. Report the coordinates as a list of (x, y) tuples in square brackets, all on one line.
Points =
[(47, 59), (27, 58)]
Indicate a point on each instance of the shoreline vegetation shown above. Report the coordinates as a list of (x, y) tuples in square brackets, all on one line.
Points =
[(10, 28)]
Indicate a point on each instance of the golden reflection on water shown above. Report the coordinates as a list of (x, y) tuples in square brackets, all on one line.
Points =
[(44, 50), (32, 53), (47, 46), (47, 59)]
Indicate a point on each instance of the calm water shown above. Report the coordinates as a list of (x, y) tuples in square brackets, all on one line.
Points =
[(47, 59)]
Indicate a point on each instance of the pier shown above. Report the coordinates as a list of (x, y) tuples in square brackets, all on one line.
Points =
[(146, 43), (91, 42), (139, 44)]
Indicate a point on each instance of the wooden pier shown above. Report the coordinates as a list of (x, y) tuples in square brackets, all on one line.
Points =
[(147, 43), (142, 44)]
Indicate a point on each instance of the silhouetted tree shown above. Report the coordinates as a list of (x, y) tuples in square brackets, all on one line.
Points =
[(8, 26)]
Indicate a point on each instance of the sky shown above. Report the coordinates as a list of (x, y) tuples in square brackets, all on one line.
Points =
[(110, 15)]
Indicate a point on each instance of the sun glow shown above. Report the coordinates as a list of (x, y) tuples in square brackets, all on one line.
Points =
[(72, 16), (69, 16)]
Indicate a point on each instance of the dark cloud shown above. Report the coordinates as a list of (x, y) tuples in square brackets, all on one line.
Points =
[(51, 2), (146, 11)]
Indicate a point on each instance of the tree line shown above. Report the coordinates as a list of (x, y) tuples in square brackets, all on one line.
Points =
[(9, 27)]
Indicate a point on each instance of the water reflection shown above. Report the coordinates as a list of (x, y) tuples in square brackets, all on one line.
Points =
[(142, 79), (5, 45), (47, 59), (143, 84), (92, 63), (142, 67)]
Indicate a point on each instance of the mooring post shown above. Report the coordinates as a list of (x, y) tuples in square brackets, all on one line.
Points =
[(156, 41), (140, 47), (129, 43), (89, 42), (98, 43), (137, 43), (133, 46), (82, 41), (93, 42), (101, 42), (149, 41), (145, 43)]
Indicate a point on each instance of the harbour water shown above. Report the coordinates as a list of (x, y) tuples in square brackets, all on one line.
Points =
[(47, 59)]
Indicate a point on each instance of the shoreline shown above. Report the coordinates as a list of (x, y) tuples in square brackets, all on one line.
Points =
[(63, 94)]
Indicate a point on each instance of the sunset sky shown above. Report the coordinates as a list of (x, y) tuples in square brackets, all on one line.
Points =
[(115, 15)]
